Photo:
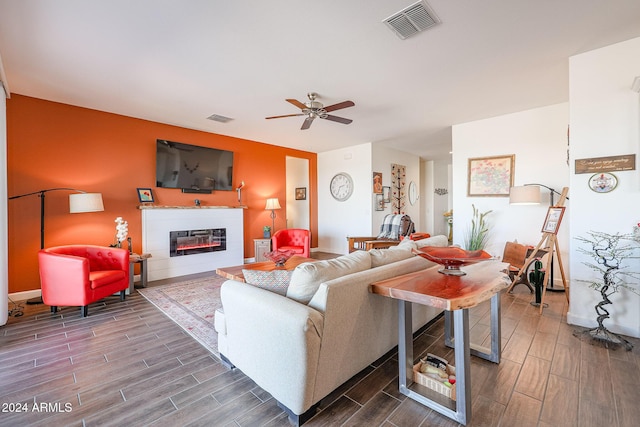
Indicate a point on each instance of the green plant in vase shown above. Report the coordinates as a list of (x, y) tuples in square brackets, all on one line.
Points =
[(477, 236), (610, 251), (266, 232)]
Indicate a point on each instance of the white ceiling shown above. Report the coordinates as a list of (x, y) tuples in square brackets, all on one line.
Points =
[(178, 62)]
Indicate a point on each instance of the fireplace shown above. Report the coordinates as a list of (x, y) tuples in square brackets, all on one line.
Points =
[(190, 242), (159, 221)]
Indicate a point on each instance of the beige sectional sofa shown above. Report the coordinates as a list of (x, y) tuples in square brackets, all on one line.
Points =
[(302, 346)]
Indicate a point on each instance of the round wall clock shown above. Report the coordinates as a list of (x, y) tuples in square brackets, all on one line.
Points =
[(603, 182), (341, 186), (413, 193)]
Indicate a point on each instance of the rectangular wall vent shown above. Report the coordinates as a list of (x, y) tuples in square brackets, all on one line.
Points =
[(412, 20), (219, 118)]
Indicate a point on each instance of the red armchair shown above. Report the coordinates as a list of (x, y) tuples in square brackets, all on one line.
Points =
[(77, 275), (297, 240)]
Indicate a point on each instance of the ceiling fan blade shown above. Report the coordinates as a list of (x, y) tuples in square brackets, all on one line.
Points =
[(307, 123), (338, 119), (286, 115), (297, 103), (339, 105)]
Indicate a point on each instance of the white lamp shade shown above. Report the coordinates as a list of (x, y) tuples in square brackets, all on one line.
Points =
[(525, 195), (272, 204), (85, 202)]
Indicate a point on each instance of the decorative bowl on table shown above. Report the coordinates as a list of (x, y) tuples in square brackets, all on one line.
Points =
[(279, 257), (452, 258)]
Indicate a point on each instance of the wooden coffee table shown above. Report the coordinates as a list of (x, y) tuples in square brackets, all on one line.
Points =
[(235, 272)]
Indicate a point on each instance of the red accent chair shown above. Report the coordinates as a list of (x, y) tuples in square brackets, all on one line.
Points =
[(297, 240), (77, 275)]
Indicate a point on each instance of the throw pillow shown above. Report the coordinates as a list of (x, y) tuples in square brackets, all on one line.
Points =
[(308, 276), (275, 281)]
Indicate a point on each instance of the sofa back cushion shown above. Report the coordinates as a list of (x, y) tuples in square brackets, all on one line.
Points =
[(380, 257), (440, 240), (308, 276)]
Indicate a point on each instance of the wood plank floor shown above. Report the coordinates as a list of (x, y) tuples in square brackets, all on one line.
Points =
[(128, 364)]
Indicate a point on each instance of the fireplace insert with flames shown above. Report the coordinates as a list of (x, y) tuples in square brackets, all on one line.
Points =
[(190, 242)]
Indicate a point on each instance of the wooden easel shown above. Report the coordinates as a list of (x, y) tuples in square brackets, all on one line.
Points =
[(549, 241)]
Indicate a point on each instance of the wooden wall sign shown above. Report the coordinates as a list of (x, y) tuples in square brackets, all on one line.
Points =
[(626, 162)]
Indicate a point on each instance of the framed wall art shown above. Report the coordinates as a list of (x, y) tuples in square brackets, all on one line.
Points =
[(553, 219), (145, 195), (301, 193), (490, 176), (377, 183)]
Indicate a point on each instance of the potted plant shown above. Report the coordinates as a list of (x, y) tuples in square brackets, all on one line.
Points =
[(476, 237), (266, 232), (610, 252)]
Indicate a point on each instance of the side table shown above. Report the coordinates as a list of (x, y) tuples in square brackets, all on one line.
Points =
[(455, 295), (142, 260), (261, 247)]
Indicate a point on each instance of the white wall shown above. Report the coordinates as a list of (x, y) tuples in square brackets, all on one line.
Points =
[(538, 138), (605, 121), (4, 262), (357, 215), (337, 220), (297, 211)]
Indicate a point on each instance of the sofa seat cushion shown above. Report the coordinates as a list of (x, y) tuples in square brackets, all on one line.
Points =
[(97, 279), (308, 276), (275, 281)]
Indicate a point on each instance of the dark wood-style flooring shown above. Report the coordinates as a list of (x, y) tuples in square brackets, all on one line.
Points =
[(128, 364)]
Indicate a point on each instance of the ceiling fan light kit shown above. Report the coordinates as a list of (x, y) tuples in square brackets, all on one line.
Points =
[(315, 109)]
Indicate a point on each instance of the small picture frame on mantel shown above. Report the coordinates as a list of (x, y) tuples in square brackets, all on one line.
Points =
[(145, 195)]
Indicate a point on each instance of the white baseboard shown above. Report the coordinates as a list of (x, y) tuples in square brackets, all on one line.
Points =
[(25, 295)]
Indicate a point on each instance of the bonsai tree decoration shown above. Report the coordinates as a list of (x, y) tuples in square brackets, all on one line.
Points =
[(610, 252), (476, 237)]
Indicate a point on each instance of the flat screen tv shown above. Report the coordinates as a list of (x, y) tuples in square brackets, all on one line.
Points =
[(193, 168)]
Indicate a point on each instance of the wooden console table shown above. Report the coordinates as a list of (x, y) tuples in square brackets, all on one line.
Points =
[(455, 295)]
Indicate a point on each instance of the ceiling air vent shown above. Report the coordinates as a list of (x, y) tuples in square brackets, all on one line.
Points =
[(219, 118), (412, 20)]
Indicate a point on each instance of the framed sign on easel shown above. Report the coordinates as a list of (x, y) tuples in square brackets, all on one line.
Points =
[(549, 241)]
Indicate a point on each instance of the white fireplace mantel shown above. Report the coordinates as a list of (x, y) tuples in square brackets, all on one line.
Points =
[(159, 221)]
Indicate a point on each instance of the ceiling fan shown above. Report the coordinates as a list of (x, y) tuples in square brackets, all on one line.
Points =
[(313, 109)]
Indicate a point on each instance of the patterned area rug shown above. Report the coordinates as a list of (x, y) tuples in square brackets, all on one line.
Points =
[(191, 304)]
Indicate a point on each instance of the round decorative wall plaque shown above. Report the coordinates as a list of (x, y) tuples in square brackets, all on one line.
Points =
[(603, 182)]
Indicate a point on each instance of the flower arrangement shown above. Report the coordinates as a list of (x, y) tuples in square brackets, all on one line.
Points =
[(122, 229)]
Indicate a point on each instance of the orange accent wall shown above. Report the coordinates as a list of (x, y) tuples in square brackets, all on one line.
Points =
[(57, 145)]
